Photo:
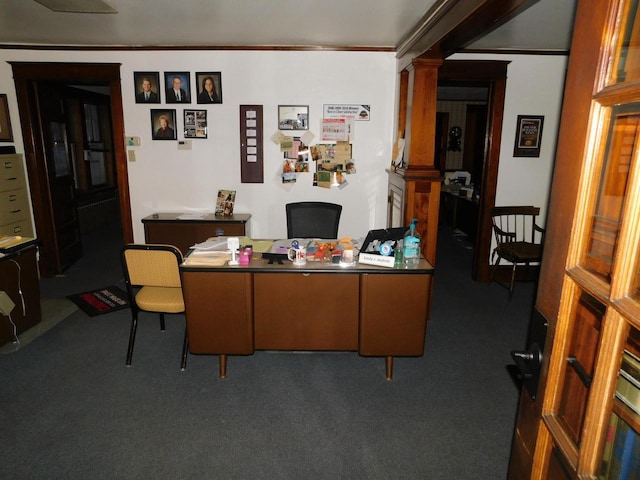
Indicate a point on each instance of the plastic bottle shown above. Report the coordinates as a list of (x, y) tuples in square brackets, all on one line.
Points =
[(411, 246)]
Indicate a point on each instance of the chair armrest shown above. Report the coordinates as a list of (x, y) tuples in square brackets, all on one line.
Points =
[(502, 233)]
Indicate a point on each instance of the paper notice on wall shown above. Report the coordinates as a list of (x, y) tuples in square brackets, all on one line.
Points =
[(334, 130), (355, 112)]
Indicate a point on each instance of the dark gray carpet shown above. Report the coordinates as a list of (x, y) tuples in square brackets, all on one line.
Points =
[(71, 409)]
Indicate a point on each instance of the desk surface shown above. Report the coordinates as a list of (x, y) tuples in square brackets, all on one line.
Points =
[(210, 217), (259, 265)]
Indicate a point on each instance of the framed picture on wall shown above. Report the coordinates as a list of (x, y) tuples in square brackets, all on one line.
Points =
[(178, 87), (6, 134), (163, 124), (209, 85), (195, 124), (147, 87), (528, 136)]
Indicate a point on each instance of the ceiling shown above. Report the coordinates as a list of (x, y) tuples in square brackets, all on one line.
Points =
[(223, 23)]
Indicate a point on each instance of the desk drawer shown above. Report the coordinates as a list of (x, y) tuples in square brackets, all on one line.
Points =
[(22, 228), (296, 311), (14, 206), (11, 173)]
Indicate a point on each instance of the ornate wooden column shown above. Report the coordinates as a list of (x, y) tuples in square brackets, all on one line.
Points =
[(417, 180)]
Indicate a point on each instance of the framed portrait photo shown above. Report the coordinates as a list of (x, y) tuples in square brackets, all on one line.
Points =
[(195, 124), (528, 136), (209, 85), (147, 87), (177, 87), (6, 134), (163, 124)]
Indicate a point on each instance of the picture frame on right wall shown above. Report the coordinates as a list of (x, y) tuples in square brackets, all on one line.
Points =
[(528, 136)]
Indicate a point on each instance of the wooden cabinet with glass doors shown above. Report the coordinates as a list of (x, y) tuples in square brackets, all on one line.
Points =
[(591, 409)]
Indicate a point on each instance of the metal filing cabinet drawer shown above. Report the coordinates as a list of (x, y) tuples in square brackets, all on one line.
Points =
[(14, 206), (11, 173)]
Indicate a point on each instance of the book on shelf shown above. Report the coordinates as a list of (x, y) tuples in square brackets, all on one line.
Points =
[(628, 383), (621, 456)]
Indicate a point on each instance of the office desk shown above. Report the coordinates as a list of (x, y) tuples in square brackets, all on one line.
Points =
[(376, 311), (169, 229)]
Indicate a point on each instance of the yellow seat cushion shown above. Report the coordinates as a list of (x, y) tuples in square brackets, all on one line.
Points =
[(160, 299)]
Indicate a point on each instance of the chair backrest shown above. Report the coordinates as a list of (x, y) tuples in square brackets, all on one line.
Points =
[(516, 224), (151, 265), (313, 219)]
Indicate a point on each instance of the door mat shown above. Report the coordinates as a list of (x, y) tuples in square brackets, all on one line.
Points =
[(101, 301)]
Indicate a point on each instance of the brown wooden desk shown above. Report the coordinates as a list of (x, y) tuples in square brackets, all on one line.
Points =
[(376, 311), (169, 229)]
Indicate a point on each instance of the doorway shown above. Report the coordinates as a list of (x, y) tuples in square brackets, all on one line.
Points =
[(472, 145), (30, 79)]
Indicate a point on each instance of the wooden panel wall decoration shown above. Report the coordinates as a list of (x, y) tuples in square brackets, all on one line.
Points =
[(251, 144)]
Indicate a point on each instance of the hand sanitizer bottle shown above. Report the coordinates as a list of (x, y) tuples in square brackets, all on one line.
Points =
[(411, 246)]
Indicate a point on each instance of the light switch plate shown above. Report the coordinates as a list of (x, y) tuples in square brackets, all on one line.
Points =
[(133, 141), (184, 145)]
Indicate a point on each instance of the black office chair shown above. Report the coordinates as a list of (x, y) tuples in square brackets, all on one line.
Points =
[(313, 219)]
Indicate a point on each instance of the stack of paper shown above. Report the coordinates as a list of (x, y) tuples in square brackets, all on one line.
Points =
[(208, 258)]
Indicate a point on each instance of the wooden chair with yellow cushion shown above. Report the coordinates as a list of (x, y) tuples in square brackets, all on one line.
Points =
[(152, 276), (519, 239)]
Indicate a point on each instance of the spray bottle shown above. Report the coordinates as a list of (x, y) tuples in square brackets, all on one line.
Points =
[(411, 246)]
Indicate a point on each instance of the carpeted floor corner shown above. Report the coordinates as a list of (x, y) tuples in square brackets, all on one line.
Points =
[(54, 310)]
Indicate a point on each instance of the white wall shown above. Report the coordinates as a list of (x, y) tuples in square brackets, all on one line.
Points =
[(535, 86), (165, 179)]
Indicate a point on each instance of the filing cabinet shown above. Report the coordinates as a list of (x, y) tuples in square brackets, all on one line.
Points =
[(15, 212)]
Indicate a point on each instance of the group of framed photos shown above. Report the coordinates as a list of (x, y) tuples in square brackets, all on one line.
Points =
[(175, 89)]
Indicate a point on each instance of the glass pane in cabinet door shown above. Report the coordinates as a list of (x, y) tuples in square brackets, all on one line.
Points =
[(627, 56), (605, 224), (580, 364)]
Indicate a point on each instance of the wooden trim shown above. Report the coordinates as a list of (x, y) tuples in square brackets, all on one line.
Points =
[(146, 48), (451, 24), (514, 51)]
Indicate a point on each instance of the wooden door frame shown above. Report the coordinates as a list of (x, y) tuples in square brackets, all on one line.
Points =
[(494, 73), (25, 74)]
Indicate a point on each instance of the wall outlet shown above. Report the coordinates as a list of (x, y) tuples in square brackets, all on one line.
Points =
[(6, 304), (132, 155)]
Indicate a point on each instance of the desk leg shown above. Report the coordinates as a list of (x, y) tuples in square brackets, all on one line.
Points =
[(223, 366), (389, 361)]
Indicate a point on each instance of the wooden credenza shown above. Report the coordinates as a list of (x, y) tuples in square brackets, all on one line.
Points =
[(167, 228), (19, 279), (376, 311)]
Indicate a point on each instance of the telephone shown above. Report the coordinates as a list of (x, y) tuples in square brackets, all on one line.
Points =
[(6, 304)]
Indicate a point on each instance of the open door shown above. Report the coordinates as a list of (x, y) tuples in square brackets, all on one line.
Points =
[(56, 157), (576, 423), (27, 77)]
